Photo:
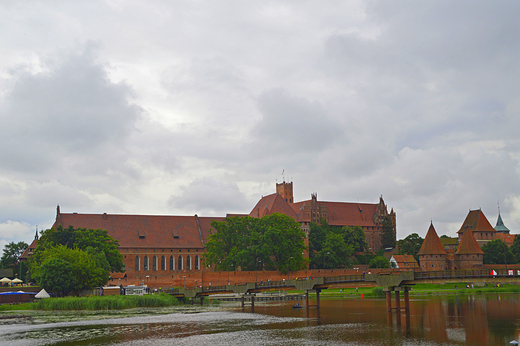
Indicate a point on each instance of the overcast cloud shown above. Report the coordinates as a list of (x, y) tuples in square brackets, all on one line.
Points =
[(183, 108)]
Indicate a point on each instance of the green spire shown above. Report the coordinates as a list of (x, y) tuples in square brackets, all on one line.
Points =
[(500, 227)]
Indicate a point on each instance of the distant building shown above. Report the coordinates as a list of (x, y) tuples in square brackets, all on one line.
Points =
[(159, 246), (403, 262)]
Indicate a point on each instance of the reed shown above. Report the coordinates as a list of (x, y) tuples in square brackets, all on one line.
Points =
[(106, 302)]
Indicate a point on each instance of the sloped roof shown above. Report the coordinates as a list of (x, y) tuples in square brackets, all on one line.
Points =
[(449, 241), (500, 227), (27, 252), (144, 231), (432, 244), (405, 261), (341, 213), (271, 204), (468, 244), (477, 222)]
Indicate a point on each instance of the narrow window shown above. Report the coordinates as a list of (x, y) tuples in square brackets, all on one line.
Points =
[(197, 264), (172, 263), (188, 263), (154, 263), (163, 263), (179, 263), (137, 264), (145, 264)]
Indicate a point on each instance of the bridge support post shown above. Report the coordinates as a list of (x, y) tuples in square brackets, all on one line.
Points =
[(307, 299), (318, 297), (253, 301), (406, 299), (397, 301), (388, 301), (242, 300), (201, 300)]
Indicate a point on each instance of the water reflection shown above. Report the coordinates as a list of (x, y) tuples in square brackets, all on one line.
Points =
[(458, 320)]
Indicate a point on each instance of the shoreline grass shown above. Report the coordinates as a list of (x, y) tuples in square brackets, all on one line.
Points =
[(99, 303)]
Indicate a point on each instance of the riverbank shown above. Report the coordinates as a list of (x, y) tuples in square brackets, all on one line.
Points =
[(100, 303), (416, 290)]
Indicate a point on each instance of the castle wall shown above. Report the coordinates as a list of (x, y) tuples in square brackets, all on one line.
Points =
[(433, 262)]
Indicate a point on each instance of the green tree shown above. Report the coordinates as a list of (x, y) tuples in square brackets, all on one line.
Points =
[(387, 234), (355, 237), (11, 254), (82, 238), (410, 245), (55, 277), (88, 268), (335, 253), (317, 235), (497, 252), (515, 248), (379, 262), (274, 242)]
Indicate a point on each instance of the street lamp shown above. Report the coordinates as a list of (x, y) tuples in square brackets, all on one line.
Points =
[(147, 276)]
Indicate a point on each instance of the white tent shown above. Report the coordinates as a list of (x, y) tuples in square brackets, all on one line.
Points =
[(5, 280), (16, 281), (42, 294)]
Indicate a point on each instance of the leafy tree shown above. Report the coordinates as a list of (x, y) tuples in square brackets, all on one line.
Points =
[(497, 252), (335, 253), (12, 252), (88, 269), (410, 245), (379, 262), (274, 242), (328, 256), (355, 237), (387, 234), (515, 248), (55, 276), (82, 238)]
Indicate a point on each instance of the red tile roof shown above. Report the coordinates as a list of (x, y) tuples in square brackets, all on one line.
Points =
[(404, 261), (145, 231), (341, 213), (432, 244), (477, 222), (506, 238), (271, 204), (28, 252), (468, 244)]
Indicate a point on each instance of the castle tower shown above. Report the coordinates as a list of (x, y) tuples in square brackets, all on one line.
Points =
[(286, 191), (432, 255), (468, 255)]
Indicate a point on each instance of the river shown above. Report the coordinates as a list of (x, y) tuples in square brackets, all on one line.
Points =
[(446, 320)]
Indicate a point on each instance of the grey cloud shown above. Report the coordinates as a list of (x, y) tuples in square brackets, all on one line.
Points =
[(209, 197), (292, 124), (72, 109)]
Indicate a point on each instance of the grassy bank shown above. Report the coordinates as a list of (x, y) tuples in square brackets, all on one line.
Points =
[(421, 289), (98, 303)]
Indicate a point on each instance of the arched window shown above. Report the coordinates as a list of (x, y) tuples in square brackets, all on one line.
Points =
[(163, 263), (154, 263), (197, 264), (137, 264), (145, 264), (172, 263), (188, 262), (179, 263)]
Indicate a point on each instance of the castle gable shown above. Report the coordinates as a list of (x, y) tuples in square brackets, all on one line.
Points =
[(477, 222)]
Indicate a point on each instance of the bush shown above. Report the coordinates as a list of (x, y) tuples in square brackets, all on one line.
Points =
[(377, 291)]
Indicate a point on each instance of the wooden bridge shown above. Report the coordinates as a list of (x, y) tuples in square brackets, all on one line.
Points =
[(390, 282)]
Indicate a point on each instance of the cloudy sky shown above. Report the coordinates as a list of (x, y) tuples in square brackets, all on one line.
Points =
[(196, 107)]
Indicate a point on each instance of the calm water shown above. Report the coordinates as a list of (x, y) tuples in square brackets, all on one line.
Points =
[(462, 320)]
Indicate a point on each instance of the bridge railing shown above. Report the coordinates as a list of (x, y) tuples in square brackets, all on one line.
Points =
[(344, 278)]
